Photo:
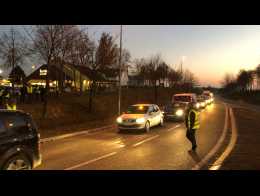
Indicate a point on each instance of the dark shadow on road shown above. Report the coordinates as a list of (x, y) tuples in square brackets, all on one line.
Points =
[(194, 156)]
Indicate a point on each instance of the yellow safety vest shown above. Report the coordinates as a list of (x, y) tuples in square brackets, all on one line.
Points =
[(29, 89), (196, 122), (7, 95), (11, 107)]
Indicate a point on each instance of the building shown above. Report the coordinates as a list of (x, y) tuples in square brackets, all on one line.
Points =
[(255, 82), (75, 77)]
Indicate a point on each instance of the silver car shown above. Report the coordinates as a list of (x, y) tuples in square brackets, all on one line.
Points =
[(140, 117)]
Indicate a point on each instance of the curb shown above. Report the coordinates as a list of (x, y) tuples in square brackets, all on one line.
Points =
[(49, 139)]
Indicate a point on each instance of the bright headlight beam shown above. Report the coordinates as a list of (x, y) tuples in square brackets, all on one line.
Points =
[(119, 120), (179, 112)]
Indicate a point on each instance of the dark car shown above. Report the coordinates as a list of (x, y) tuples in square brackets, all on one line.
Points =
[(19, 141), (175, 111), (202, 102)]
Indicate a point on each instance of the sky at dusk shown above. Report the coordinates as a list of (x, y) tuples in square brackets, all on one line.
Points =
[(210, 51)]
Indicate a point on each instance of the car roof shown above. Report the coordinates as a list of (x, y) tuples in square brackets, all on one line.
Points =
[(146, 104), (184, 94)]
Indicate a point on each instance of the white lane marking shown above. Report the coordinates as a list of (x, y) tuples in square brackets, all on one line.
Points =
[(90, 161), (87, 132), (146, 140), (217, 164), (217, 146), (174, 127)]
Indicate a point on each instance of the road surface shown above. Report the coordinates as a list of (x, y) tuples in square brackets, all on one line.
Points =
[(163, 148)]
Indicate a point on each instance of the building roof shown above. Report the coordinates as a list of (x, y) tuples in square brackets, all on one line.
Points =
[(54, 73), (89, 73)]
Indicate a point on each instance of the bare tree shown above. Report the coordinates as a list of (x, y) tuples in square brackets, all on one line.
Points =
[(189, 80), (69, 35), (152, 66), (82, 52), (46, 42), (13, 50), (244, 80), (174, 77), (228, 78)]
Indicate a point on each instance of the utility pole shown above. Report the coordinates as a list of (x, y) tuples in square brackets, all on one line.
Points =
[(120, 67)]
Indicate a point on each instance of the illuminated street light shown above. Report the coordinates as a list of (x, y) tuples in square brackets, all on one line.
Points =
[(33, 66), (1, 71)]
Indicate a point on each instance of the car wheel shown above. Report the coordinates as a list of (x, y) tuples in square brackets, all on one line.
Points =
[(161, 122), (18, 162), (147, 127)]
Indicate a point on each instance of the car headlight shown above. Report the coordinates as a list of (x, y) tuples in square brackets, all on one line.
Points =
[(140, 120), (179, 112), (119, 120)]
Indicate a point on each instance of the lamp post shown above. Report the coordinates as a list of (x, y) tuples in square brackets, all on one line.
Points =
[(120, 69)]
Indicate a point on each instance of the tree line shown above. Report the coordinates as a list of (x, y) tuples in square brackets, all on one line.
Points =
[(242, 83)]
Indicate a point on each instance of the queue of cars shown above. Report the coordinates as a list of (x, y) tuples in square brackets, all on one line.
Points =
[(145, 116)]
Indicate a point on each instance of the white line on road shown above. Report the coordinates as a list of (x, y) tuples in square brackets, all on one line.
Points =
[(91, 161), (146, 140), (217, 164), (174, 127), (90, 132), (217, 146)]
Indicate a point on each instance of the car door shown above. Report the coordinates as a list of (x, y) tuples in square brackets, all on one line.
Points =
[(157, 115), (151, 115), (5, 137)]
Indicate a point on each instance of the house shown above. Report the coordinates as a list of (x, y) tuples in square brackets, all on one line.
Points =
[(255, 82), (75, 76), (113, 75)]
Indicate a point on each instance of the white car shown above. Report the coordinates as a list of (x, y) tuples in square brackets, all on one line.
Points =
[(140, 117)]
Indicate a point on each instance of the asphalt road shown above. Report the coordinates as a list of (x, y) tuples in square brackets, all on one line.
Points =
[(162, 148), (246, 153)]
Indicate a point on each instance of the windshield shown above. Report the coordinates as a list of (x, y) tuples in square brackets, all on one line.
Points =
[(137, 110), (182, 98)]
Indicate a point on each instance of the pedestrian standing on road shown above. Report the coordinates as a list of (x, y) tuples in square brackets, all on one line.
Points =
[(192, 124), (1, 97), (30, 93)]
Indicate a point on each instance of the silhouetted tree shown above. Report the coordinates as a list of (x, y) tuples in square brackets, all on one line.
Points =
[(13, 50), (17, 74), (244, 80)]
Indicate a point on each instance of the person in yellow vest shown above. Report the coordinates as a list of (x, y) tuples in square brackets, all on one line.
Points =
[(1, 97), (11, 105), (30, 92), (192, 124)]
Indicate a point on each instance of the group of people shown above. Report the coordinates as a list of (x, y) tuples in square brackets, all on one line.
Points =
[(9, 97)]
